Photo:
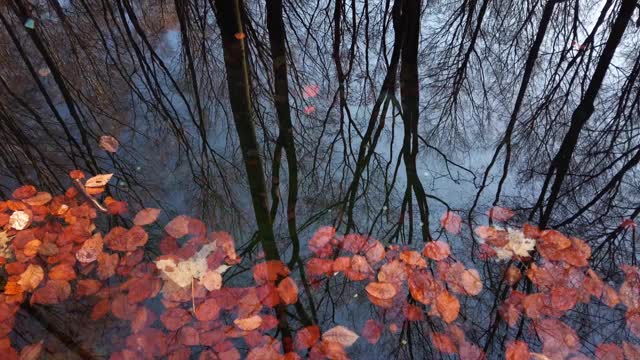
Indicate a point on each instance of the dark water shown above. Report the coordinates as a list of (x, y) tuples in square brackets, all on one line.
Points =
[(271, 120)]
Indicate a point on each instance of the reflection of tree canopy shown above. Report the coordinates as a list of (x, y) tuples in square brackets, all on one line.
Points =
[(373, 116)]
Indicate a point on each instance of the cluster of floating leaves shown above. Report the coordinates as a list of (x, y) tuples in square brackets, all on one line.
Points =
[(52, 252)]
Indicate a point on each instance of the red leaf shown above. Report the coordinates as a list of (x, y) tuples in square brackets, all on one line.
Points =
[(372, 331), (609, 351), (288, 291), (413, 258), (307, 337), (269, 271), (178, 227), (448, 306), (24, 192), (174, 319), (322, 237), (443, 343)]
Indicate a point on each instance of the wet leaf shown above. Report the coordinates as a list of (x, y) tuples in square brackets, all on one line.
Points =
[(372, 331), (443, 343), (62, 272), (340, 335), (249, 323), (288, 291), (307, 337), (609, 351), (24, 192), (39, 199), (31, 248), (448, 306), (452, 222), (437, 250), (384, 291), (178, 227), (174, 319), (471, 282), (321, 238), (499, 213), (109, 143), (98, 181), (211, 280), (413, 258), (146, 216), (32, 352), (30, 279), (517, 350), (53, 292)]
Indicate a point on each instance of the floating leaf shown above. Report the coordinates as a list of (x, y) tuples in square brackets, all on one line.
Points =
[(146, 216), (452, 222), (178, 227), (413, 258), (288, 291), (471, 282), (62, 272), (372, 331), (517, 350), (448, 306), (98, 181), (443, 343), (340, 335), (309, 91), (249, 323), (437, 250), (32, 352), (109, 143), (499, 213), (384, 291), (307, 337), (41, 198), (24, 192)]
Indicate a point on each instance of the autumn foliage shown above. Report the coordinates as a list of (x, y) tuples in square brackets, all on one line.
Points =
[(177, 304)]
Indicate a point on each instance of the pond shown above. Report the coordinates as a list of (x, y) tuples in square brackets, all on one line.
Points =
[(227, 179)]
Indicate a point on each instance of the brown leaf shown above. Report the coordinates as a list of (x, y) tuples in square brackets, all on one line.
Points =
[(53, 292), (62, 272), (146, 216), (98, 181), (413, 258), (39, 199), (109, 143), (24, 192)]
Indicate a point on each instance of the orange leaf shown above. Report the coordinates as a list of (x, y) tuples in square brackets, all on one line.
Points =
[(211, 280), (452, 222), (517, 350), (24, 192), (31, 277), (62, 272), (146, 216), (413, 258), (448, 306), (39, 199), (249, 323), (471, 282), (443, 343), (269, 271), (375, 253), (98, 181), (87, 287), (288, 291), (31, 248), (76, 174), (437, 250), (384, 291), (321, 238)]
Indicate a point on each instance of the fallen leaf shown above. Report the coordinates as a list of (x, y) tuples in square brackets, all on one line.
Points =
[(340, 335), (288, 291), (452, 222), (448, 306), (178, 227), (211, 280), (437, 250), (109, 143), (19, 220), (380, 290), (307, 337), (146, 216), (471, 282), (31, 277), (249, 323), (31, 352), (517, 350), (39, 199), (98, 181), (443, 343), (372, 331)]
